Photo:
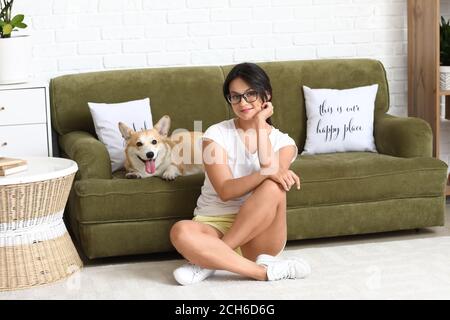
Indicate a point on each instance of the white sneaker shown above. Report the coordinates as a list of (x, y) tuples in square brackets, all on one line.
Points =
[(278, 269), (190, 273)]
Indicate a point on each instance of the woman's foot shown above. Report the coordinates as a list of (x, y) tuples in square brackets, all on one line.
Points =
[(190, 274), (279, 269)]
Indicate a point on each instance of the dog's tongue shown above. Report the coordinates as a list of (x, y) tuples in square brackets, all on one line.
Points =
[(150, 166)]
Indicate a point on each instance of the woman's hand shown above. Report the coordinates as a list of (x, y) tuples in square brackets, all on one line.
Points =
[(265, 112), (286, 178)]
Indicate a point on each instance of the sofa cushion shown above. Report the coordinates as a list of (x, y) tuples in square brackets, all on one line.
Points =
[(329, 179), (186, 94), (356, 177), (120, 199)]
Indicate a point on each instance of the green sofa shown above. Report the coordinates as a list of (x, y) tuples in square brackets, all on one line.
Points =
[(400, 188)]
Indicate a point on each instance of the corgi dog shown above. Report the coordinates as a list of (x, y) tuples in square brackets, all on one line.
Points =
[(152, 152)]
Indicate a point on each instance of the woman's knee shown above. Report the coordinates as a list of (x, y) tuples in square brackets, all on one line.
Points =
[(180, 231), (186, 231), (272, 188)]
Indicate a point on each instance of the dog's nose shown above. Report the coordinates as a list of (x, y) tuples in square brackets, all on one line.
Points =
[(150, 155)]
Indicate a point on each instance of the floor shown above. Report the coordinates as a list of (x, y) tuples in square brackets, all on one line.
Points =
[(150, 277)]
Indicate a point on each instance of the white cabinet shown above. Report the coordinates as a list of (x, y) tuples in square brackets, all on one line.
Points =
[(25, 126)]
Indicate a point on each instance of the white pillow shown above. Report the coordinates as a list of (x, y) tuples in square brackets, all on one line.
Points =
[(106, 121), (340, 120)]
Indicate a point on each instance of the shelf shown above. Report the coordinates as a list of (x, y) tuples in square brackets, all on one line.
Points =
[(424, 94), (424, 91)]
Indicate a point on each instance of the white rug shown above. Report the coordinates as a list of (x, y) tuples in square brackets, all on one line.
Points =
[(405, 269)]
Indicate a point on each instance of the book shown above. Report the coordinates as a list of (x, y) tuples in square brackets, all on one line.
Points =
[(11, 166), (6, 162), (16, 169)]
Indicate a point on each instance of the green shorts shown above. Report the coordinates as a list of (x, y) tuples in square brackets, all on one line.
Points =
[(221, 223)]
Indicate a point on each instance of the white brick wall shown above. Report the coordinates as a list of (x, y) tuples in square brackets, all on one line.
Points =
[(73, 36)]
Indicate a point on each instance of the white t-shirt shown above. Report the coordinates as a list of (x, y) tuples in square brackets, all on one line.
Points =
[(241, 162)]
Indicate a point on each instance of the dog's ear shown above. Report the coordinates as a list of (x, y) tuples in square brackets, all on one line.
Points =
[(125, 131), (163, 126)]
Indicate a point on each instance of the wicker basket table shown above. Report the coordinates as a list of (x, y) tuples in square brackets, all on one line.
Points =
[(35, 247)]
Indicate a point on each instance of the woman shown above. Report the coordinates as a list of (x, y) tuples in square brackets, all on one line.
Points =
[(240, 219)]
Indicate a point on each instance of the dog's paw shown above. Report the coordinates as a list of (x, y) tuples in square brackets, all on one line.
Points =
[(171, 173), (133, 175), (169, 176)]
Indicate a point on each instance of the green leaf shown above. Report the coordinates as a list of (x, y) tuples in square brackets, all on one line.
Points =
[(2, 23), (7, 29), (17, 19), (21, 25)]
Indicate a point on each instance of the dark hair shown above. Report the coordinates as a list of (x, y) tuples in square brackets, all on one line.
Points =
[(255, 77)]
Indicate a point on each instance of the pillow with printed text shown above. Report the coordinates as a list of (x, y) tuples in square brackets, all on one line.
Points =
[(340, 120), (106, 116)]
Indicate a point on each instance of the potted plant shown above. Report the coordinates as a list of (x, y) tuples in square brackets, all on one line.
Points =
[(15, 51), (445, 54)]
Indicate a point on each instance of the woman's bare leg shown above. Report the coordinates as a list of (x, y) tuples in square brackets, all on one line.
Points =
[(201, 244), (256, 214), (272, 240), (205, 246)]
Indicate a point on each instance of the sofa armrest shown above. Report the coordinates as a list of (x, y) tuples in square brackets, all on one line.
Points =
[(89, 153), (403, 137)]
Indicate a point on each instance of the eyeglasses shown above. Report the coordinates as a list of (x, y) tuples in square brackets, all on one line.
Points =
[(249, 96)]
